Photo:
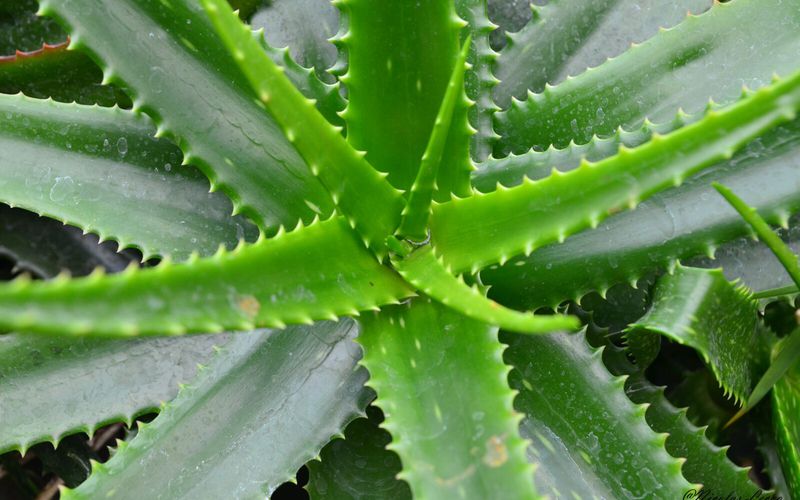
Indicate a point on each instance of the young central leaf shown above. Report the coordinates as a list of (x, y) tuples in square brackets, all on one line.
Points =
[(400, 60)]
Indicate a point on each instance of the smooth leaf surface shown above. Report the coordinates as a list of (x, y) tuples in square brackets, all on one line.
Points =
[(394, 89), (173, 64), (566, 37), (587, 438), (232, 431), (317, 272), (54, 387), (701, 309), (93, 167), (304, 26), (710, 56), (483, 229), (678, 223), (442, 385)]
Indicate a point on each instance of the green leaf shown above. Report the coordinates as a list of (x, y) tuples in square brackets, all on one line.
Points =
[(233, 432), (414, 221), (304, 27), (479, 80), (427, 273), (483, 229), (764, 232), (358, 466), (512, 169), (21, 29), (667, 73), (678, 223), (587, 438), (55, 387), (92, 167), (46, 247), (566, 37), (706, 463), (176, 68), (701, 309), (786, 355), (395, 89), (442, 385), (371, 205), (786, 407), (53, 71), (318, 272)]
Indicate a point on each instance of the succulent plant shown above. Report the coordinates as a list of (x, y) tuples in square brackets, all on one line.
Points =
[(421, 258)]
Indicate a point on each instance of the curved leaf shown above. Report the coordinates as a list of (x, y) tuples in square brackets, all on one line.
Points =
[(701, 309), (317, 272), (587, 438), (175, 67), (488, 228), (667, 73), (442, 386), (55, 387), (568, 36), (232, 433), (92, 167), (428, 274), (358, 466), (678, 223)]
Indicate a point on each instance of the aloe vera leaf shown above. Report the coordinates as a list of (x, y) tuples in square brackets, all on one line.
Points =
[(304, 27), (483, 229), (479, 80), (566, 37), (764, 232), (678, 223), (231, 432), (587, 438), (786, 355), (371, 205), (21, 29), (785, 408), (53, 71), (428, 274), (54, 387), (706, 463), (358, 466), (46, 247), (395, 89), (701, 309), (767, 445), (175, 67), (441, 384), (415, 215), (754, 263), (318, 272), (92, 167), (667, 73), (510, 170)]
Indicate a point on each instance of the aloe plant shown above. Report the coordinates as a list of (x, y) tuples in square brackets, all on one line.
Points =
[(384, 264)]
